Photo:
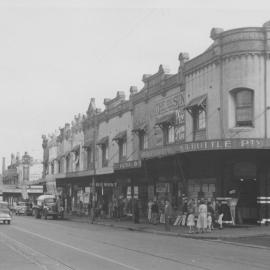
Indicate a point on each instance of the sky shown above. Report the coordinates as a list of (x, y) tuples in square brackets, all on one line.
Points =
[(57, 54)]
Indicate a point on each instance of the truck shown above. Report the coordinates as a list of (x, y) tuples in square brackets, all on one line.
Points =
[(48, 205)]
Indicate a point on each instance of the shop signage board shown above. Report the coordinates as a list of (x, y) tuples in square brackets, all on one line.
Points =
[(136, 192), (101, 184), (209, 145), (169, 103), (162, 187), (35, 189), (128, 165), (129, 192)]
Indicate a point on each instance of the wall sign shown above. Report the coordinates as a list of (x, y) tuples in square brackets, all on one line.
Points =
[(207, 146), (169, 104), (127, 165)]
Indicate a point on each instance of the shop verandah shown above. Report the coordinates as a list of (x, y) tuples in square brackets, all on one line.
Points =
[(221, 177), (216, 176)]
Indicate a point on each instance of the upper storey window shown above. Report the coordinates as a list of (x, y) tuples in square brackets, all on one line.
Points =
[(121, 139), (167, 124), (197, 108), (104, 145), (199, 118), (243, 99)]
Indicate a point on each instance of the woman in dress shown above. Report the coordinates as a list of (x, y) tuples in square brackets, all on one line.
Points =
[(191, 222), (202, 218)]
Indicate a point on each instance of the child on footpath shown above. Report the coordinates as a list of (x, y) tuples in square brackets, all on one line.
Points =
[(209, 222), (191, 223)]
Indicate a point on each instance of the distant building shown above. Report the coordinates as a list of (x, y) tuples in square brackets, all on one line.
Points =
[(18, 176)]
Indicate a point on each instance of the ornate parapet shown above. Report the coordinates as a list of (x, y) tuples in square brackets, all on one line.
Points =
[(232, 43)]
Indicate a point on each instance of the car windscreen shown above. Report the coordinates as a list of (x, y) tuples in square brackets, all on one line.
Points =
[(4, 210), (22, 204), (4, 207), (50, 200)]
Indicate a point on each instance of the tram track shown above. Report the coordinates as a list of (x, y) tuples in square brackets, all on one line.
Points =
[(179, 261)]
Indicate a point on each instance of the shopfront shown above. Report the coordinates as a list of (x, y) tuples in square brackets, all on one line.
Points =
[(217, 170), (133, 185)]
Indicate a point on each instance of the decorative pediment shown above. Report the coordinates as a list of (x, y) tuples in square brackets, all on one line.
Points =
[(91, 108), (157, 78)]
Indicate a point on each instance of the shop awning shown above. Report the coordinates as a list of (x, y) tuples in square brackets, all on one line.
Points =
[(196, 102), (58, 158), (139, 128), (120, 136), (168, 119), (88, 144), (76, 148), (104, 140)]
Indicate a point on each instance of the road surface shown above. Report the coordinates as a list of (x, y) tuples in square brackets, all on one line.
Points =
[(29, 244)]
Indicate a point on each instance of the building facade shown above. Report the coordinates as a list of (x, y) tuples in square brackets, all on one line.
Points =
[(18, 179), (200, 133)]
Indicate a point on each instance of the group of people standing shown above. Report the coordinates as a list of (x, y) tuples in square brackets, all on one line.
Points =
[(199, 217), (160, 212)]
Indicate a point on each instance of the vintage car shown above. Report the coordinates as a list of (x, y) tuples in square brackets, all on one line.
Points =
[(5, 215), (23, 208), (47, 205)]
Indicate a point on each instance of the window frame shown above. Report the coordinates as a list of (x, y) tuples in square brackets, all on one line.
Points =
[(105, 155), (122, 147), (196, 112), (166, 127), (248, 123), (89, 153), (143, 140)]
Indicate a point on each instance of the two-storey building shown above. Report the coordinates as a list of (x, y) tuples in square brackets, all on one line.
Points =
[(226, 147)]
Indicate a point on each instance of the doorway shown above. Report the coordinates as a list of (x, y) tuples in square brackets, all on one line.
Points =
[(247, 186)]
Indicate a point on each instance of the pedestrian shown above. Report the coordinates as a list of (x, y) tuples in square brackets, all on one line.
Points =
[(219, 215), (232, 203), (154, 211), (202, 218), (167, 215), (209, 222), (225, 209), (211, 211), (149, 214), (110, 209), (136, 211), (191, 222)]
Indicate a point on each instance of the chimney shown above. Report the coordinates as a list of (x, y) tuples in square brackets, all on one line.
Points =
[(3, 165)]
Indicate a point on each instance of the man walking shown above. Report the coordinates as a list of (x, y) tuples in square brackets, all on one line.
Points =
[(168, 215)]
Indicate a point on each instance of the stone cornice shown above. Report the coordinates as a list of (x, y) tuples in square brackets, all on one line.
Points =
[(161, 89)]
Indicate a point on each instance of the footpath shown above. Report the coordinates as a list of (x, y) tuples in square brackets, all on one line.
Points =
[(228, 232)]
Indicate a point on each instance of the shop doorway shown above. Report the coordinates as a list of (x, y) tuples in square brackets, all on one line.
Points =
[(247, 186), (247, 204)]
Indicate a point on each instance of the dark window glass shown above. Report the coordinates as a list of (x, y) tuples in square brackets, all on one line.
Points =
[(104, 155), (244, 108), (199, 118)]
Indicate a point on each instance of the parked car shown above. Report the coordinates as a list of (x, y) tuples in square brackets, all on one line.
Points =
[(23, 208), (5, 214), (47, 205)]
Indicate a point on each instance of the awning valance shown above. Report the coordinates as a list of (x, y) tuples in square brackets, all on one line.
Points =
[(58, 158), (139, 128), (196, 102), (168, 119), (88, 144), (120, 136), (76, 148), (104, 140)]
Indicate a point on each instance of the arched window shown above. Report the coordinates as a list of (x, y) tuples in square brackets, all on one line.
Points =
[(243, 99)]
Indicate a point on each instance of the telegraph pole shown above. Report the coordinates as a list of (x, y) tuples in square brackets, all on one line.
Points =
[(94, 168)]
